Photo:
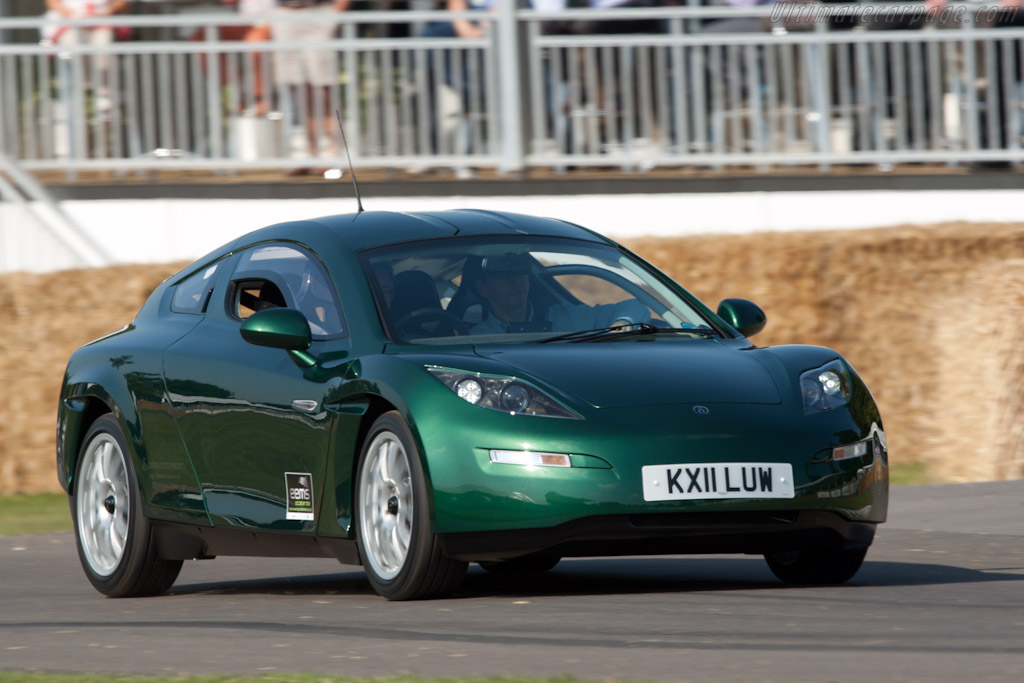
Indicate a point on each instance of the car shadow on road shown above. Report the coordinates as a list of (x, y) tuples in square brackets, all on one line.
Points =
[(675, 575), (620, 576), (349, 583)]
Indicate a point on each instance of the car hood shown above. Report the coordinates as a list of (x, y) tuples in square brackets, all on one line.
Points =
[(637, 373)]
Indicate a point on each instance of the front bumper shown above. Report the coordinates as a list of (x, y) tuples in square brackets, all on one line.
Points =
[(668, 534), (473, 494)]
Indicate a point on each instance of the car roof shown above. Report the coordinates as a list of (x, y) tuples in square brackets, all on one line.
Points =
[(379, 228)]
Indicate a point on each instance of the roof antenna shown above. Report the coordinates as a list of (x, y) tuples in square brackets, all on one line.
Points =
[(352, 170)]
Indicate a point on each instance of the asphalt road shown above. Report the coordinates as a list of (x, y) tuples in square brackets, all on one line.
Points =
[(941, 598)]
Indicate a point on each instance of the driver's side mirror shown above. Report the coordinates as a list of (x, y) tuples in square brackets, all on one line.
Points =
[(281, 328), (745, 316)]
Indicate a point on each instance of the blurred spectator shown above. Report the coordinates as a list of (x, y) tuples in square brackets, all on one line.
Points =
[(99, 36), (252, 33), (466, 28), (738, 24), (990, 79), (451, 102), (78, 9), (895, 108), (458, 28), (255, 33), (591, 27), (309, 74), (595, 119), (1002, 82), (905, 18), (728, 77)]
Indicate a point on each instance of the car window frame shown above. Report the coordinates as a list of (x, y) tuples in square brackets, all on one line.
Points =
[(220, 266), (239, 255)]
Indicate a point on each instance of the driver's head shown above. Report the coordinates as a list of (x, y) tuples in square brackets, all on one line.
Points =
[(505, 284)]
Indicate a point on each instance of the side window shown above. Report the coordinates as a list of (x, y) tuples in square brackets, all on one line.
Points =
[(193, 293), (250, 296), (280, 275)]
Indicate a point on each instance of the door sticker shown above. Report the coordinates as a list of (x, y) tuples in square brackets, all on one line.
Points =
[(300, 495)]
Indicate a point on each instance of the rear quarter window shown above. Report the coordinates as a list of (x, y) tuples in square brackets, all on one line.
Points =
[(192, 294)]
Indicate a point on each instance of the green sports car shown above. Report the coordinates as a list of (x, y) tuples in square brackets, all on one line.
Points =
[(415, 392)]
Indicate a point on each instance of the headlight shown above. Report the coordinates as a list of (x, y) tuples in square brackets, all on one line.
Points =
[(504, 394), (825, 388)]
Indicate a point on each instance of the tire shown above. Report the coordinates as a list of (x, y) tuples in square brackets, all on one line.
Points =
[(816, 567), (115, 542), (528, 564), (402, 558)]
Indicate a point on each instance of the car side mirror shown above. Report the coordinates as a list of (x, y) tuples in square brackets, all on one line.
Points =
[(745, 316), (281, 328)]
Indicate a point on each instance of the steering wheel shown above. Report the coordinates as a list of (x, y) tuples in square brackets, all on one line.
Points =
[(413, 322)]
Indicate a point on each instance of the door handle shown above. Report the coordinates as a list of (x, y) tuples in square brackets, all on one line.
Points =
[(305, 405)]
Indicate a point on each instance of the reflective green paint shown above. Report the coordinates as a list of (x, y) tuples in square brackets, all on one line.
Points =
[(121, 374), (473, 493), (280, 328), (657, 371), (746, 317), (240, 426)]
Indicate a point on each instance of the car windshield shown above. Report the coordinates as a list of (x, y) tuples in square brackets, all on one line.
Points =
[(526, 289)]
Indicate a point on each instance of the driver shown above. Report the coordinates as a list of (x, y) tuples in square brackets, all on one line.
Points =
[(505, 286)]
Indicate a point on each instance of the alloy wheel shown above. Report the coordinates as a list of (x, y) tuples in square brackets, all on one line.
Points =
[(386, 510), (103, 504)]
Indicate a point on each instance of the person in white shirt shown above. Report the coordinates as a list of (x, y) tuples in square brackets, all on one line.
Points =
[(77, 9), (92, 35), (306, 72)]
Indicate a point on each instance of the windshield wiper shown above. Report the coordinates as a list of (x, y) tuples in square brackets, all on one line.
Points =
[(699, 331), (629, 330), (583, 335)]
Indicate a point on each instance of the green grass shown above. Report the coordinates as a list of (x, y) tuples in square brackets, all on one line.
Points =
[(34, 513), (13, 677), (910, 473)]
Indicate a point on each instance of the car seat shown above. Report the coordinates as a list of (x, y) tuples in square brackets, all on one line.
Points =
[(416, 310)]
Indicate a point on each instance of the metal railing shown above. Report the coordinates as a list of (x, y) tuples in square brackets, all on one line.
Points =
[(790, 91)]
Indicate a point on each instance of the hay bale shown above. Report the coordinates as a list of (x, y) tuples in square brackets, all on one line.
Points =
[(977, 430), (43, 319)]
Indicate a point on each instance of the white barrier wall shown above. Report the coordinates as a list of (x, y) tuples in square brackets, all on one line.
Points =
[(163, 230)]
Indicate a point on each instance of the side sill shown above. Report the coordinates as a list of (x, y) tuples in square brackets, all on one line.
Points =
[(189, 542)]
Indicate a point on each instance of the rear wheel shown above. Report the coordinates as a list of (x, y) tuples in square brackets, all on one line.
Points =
[(402, 558), (114, 540), (816, 566)]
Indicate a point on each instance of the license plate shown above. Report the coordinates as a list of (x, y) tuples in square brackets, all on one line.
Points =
[(703, 481)]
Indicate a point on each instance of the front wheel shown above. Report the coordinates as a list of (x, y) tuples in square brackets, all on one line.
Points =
[(816, 566), (114, 539), (403, 560)]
